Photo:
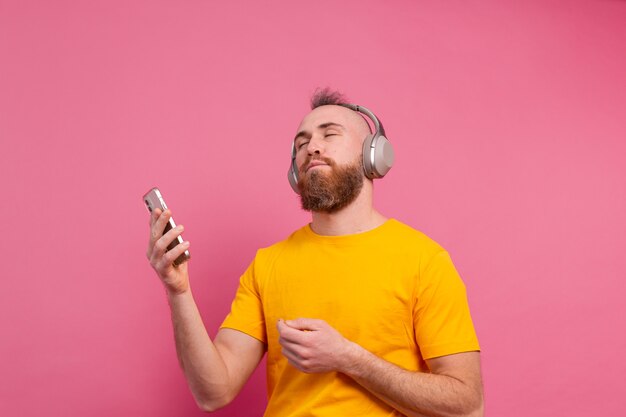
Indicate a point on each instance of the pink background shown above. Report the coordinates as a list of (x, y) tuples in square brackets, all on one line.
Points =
[(508, 119)]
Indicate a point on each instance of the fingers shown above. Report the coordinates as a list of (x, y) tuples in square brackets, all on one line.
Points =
[(154, 215), (289, 346), (158, 222), (297, 349), (158, 253), (311, 345), (155, 233), (162, 260), (290, 334), (290, 342), (160, 246), (178, 250), (287, 334), (293, 358), (306, 324)]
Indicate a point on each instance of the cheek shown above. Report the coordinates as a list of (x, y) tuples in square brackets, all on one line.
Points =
[(342, 157), (300, 159)]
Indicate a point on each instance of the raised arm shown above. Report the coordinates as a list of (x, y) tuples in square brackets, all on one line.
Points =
[(215, 371)]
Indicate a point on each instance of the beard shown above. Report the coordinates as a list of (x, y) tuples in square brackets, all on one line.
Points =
[(330, 191)]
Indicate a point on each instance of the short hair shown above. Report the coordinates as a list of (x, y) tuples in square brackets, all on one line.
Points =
[(325, 97)]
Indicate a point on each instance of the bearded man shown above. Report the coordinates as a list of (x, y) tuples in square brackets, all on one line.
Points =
[(359, 314)]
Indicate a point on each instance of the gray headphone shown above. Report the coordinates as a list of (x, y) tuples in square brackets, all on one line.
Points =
[(378, 155)]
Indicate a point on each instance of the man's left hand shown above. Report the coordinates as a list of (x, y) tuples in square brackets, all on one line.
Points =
[(313, 346)]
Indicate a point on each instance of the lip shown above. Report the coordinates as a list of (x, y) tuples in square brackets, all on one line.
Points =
[(314, 164)]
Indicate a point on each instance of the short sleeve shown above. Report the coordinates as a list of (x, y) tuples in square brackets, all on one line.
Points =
[(246, 312), (442, 320)]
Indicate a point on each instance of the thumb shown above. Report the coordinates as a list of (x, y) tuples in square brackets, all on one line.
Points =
[(305, 324)]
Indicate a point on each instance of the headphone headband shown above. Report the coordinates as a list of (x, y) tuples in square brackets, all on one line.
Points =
[(378, 126)]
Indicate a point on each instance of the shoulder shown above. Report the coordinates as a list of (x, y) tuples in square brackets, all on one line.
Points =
[(267, 254), (416, 245), (411, 237)]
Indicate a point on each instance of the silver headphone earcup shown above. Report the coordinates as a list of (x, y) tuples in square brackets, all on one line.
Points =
[(384, 156), (292, 176), (368, 159), (378, 156)]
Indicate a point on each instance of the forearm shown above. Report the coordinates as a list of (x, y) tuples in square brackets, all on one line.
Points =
[(413, 393), (201, 362)]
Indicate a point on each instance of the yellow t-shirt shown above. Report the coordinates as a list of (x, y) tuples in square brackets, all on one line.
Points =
[(392, 290)]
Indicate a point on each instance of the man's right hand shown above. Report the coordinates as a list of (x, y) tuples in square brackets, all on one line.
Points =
[(175, 278)]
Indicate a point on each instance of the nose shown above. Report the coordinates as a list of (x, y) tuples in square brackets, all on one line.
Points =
[(315, 146)]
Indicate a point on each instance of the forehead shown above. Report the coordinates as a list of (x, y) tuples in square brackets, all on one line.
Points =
[(331, 114)]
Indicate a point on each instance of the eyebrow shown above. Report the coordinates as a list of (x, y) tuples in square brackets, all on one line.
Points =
[(305, 134)]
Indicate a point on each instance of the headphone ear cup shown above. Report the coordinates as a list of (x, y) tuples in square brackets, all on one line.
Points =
[(384, 156), (367, 157), (292, 176), (378, 156)]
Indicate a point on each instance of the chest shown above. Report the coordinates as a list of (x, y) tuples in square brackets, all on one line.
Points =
[(364, 294)]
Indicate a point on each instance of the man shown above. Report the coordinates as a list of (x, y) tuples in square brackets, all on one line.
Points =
[(359, 314)]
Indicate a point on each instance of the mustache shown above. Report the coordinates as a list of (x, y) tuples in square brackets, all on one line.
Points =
[(308, 160)]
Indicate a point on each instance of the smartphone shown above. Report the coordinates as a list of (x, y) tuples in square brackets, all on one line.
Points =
[(153, 200)]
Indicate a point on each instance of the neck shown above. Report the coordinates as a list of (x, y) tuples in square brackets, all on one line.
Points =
[(359, 216)]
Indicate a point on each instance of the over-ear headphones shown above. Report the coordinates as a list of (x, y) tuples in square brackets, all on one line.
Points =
[(378, 155)]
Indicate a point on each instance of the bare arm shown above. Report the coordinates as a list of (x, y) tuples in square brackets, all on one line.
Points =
[(453, 388), (215, 371)]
